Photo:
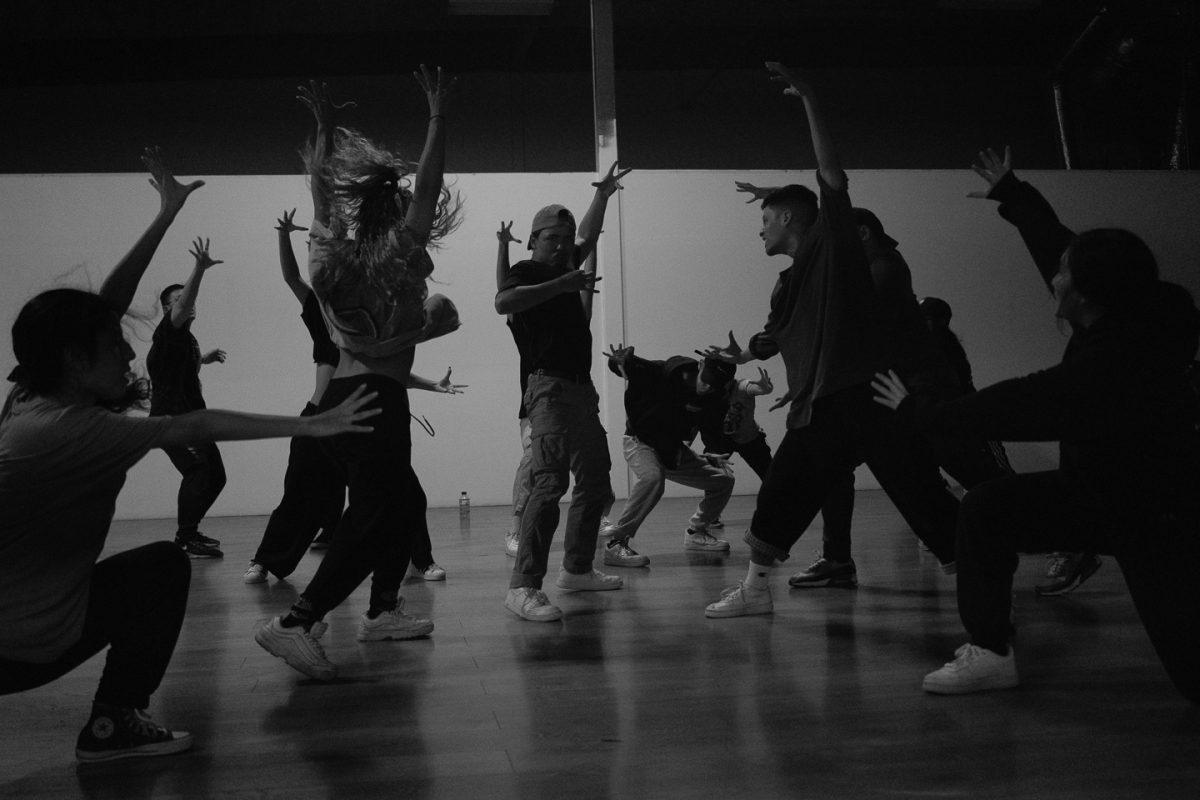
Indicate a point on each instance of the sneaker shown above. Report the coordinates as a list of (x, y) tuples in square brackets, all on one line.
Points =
[(322, 542), (1067, 571), (594, 581), (702, 540), (974, 669), (114, 733), (255, 573), (618, 553), (512, 543), (298, 647), (826, 572), (431, 573), (394, 624), (740, 601), (198, 549), (531, 604), (208, 540)]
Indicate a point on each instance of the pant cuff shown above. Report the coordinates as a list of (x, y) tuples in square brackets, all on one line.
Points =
[(765, 547)]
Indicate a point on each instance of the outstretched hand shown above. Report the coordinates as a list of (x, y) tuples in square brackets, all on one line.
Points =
[(346, 416), (889, 389), (992, 169), (718, 460), (505, 233), (213, 356), (796, 85), (763, 385), (579, 280), (731, 353), (316, 97), (446, 387), (611, 182), (172, 194), (285, 225), (437, 87), (200, 252), (619, 354), (756, 192)]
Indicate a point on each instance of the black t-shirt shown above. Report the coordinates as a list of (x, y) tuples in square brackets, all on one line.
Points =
[(553, 335), (174, 367), (324, 350), (522, 413)]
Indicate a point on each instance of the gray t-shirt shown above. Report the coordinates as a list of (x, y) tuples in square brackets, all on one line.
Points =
[(61, 467)]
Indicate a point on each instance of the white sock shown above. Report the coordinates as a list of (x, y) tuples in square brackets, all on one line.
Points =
[(757, 577)]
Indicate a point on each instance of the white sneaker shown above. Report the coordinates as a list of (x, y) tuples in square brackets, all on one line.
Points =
[(974, 669), (618, 553), (741, 601), (394, 624), (512, 543), (431, 573), (703, 540), (298, 647), (531, 604), (255, 573), (594, 581)]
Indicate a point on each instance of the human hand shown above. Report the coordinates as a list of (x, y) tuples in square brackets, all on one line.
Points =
[(620, 354), (780, 402), (731, 353), (346, 416), (437, 87), (171, 193), (992, 169), (763, 385), (505, 233), (316, 97), (200, 252), (611, 182), (579, 280), (718, 460), (756, 192), (285, 225), (889, 389), (446, 387), (213, 356), (796, 85)]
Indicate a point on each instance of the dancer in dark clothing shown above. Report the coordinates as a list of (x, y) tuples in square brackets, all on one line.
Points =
[(1122, 409)]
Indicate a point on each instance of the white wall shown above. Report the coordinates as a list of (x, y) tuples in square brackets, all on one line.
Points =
[(683, 265)]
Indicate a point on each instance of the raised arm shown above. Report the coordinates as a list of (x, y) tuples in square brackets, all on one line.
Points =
[(587, 294), (828, 163), (522, 298), (121, 284), (287, 257), (593, 220), (316, 97), (503, 236), (444, 386), (185, 307), (427, 184)]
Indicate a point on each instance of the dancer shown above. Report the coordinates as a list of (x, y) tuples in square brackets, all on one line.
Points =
[(824, 320), (729, 426), (65, 448), (544, 295), (1124, 414), (373, 294), (664, 401), (174, 365)]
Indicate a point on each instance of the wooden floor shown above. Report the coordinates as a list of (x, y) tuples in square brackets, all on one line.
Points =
[(635, 694)]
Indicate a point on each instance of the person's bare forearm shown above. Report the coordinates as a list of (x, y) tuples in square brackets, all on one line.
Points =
[(828, 162), (592, 223), (523, 298), (214, 425), (121, 284), (290, 267), (427, 183), (186, 304)]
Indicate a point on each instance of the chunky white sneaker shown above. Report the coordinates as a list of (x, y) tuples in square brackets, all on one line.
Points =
[(531, 604), (298, 647), (703, 540), (741, 601), (974, 669), (394, 624), (255, 573), (594, 581), (618, 553), (512, 543), (431, 573)]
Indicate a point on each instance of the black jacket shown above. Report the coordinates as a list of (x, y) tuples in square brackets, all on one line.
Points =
[(661, 409), (1119, 403)]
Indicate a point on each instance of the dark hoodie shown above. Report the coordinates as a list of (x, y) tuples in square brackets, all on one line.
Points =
[(662, 409), (1119, 403)]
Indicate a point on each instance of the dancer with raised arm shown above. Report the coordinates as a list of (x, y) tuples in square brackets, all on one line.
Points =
[(65, 448), (373, 294), (1122, 409)]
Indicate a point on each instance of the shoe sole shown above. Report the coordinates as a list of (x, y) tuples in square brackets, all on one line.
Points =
[(994, 684), (254, 580), (1054, 590), (639, 562), (300, 666), (394, 636), (191, 554), (441, 577), (724, 548), (841, 582), (606, 588), (741, 612), (550, 618), (176, 745)]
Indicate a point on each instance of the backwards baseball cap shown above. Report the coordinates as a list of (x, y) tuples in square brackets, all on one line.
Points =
[(548, 217), (864, 217), (716, 372)]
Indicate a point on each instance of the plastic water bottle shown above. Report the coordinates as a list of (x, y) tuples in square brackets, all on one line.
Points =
[(464, 507)]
